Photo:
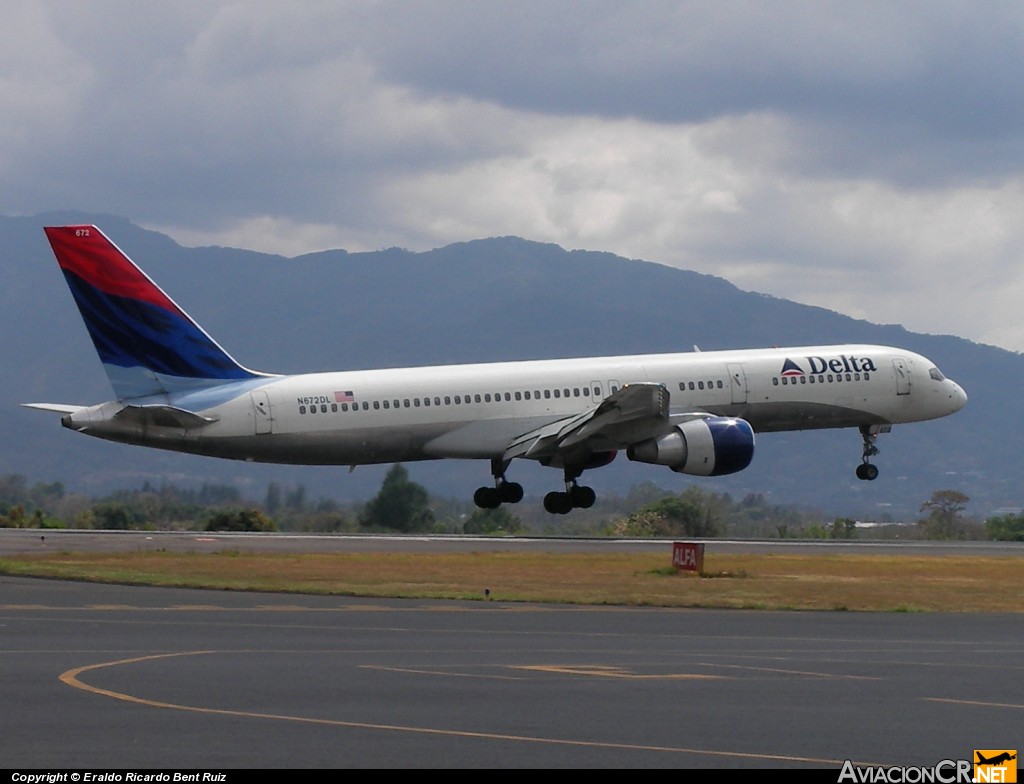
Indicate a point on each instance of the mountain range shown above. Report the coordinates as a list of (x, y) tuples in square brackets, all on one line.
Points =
[(499, 298)]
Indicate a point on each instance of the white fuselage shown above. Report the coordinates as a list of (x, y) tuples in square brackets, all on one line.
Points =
[(477, 410)]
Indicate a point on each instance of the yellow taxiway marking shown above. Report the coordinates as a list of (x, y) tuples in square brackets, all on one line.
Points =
[(72, 679), (614, 672), (976, 702), (806, 673)]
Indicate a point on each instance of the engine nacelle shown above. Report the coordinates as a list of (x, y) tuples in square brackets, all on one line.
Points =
[(706, 447)]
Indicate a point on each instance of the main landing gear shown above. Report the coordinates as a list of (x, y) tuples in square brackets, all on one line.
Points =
[(503, 492), (868, 470), (574, 497)]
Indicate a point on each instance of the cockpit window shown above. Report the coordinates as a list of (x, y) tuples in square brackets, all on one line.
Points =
[(936, 374)]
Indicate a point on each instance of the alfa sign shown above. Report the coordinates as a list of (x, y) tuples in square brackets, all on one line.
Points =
[(688, 556)]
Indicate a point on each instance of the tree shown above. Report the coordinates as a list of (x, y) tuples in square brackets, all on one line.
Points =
[(843, 528), (691, 513), (492, 521), (240, 520), (273, 500), (116, 516), (401, 504), (1006, 528), (944, 519)]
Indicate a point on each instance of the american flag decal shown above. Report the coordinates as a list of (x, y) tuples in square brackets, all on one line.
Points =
[(344, 397)]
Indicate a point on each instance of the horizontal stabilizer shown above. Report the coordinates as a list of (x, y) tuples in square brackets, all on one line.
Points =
[(57, 408)]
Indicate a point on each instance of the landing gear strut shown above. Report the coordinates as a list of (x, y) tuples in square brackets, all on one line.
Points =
[(503, 492), (574, 497), (868, 470)]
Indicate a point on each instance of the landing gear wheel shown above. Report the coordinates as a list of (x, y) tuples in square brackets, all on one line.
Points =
[(558, 503), (867, 471), (487, 498), (582, 497), (510, 492)]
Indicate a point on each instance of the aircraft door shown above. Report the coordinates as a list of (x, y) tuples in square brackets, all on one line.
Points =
[(738, 383), (261, 412), (902, 376)]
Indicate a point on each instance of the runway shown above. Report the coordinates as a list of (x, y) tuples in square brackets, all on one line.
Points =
[(110, 677)]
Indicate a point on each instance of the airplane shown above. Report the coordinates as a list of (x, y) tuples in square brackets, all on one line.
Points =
[(695, 412), (996, 760)]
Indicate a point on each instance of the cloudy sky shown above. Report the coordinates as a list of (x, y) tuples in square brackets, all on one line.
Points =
[(865, 157)]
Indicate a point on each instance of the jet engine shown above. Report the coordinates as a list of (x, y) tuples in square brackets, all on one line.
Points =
[(712, 446)]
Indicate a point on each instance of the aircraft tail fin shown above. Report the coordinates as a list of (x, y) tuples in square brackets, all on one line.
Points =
[(147, 344)]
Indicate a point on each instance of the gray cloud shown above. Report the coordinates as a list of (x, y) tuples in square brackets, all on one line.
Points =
[(846, 155)]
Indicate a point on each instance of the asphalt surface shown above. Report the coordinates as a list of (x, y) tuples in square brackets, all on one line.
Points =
[(110, 677)]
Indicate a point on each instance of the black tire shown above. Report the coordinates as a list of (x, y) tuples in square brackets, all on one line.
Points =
[(583, 497), (557, 503), (510, 492), (487, 498)]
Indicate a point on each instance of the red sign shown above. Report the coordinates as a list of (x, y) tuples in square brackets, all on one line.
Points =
[(688, 556)]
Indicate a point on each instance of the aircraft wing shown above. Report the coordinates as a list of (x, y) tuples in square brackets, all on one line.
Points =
[(633, 413)]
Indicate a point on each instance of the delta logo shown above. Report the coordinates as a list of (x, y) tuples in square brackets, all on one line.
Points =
[(844, 363), (995, 765)]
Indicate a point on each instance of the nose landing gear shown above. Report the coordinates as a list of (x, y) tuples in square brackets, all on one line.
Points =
[(867, 470)]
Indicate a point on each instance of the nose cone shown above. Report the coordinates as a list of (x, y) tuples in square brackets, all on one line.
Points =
[(955, 396)]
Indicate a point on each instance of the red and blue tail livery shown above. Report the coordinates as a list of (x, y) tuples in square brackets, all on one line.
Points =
[(147, 344), (695, 413)]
